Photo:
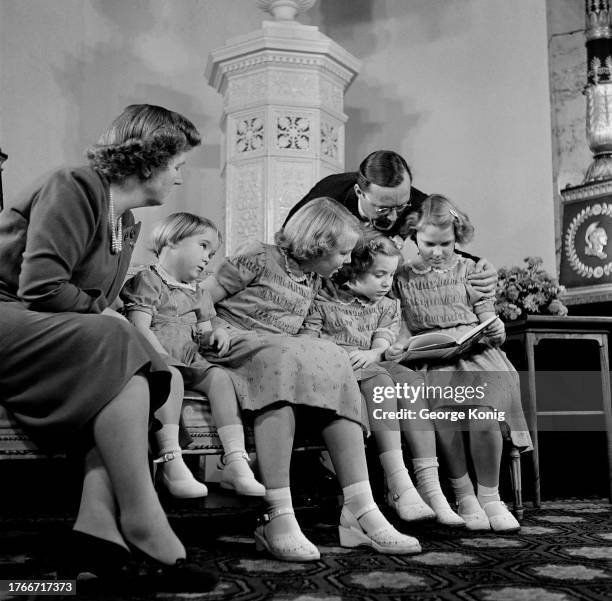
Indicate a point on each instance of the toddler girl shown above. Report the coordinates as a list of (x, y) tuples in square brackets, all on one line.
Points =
[(166, 303), (435, 295), (356, 314)]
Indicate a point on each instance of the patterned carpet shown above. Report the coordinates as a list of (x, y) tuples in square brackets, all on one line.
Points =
[(563, 553)]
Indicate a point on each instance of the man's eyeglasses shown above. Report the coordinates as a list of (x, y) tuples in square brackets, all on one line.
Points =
[(383, 211)]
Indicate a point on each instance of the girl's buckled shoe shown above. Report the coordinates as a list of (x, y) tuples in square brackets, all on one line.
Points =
[(238, 476), (289, 546), (384, 540)]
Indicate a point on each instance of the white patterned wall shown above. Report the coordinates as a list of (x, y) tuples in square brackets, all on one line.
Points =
[(283, 91), (246, 210), (292, 179)]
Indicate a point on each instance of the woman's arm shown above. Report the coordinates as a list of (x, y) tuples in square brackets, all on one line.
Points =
[(62, 225)]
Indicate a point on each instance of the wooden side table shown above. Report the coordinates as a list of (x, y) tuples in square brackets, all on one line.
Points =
[(530, 332)]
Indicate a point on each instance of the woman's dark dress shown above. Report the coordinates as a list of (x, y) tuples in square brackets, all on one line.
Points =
[(61, 361)]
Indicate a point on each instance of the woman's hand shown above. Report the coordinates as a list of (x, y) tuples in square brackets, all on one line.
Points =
[(361, 359), (484, 278), (395, 351), (113, 313), (220, 338), (496, 333)]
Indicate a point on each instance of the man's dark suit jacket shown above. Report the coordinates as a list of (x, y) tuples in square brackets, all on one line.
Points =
[(341, 187)]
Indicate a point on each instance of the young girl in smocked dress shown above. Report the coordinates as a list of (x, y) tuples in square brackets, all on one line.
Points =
[(168, 306), (262, 294), (435, 295), (355, 312)]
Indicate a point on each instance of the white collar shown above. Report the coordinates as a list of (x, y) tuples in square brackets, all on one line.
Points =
[(352, 298), (169, 280), (423, 270)]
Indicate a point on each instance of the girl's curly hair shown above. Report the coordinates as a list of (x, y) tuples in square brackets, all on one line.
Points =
[(317, 228), (442, 212), (370, 244), (142, 140)]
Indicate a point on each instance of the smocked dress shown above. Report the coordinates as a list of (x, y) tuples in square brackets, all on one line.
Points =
[(444, 300), (268, 299), (353, 324), (61, 361), (176, 309)]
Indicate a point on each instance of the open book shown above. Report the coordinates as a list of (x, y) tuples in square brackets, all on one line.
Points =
[(438, 346)]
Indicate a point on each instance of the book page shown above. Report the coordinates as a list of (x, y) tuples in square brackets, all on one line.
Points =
[(477, 332), (430, 340), (439, 346)]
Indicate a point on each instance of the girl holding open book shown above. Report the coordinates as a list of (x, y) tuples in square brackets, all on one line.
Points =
[(435, 295)]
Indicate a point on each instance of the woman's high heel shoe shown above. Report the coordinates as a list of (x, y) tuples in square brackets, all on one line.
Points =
[(183, 576), (384, 540), (109, 562), (291, 546)]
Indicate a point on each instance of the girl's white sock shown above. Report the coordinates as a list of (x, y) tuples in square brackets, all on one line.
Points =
[(398, 478), (486, 494), (358, 497), (167, 441), (278, 498), (464, 494), (232, 438), (167, 438), (428, 485)]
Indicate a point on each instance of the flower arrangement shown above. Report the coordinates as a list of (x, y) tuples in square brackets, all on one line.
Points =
[(527, 290)]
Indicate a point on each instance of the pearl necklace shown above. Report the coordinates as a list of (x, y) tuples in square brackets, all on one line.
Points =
[(116, 226)]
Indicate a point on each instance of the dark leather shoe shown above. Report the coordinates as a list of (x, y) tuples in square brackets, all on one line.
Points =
[(111, 564), (88, 553), (183, 576)]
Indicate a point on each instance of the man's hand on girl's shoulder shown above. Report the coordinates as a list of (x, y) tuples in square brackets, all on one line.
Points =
[(484, 278)]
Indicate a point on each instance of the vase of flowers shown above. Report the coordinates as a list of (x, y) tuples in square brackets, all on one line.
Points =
[(528, 290)]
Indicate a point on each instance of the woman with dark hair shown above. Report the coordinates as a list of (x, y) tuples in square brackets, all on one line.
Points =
[(76, 375), (381, 194)]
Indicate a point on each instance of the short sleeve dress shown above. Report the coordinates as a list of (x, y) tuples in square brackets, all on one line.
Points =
[(352, 323), (61, 361), (444, 300), (268, 299), (175, 309)]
